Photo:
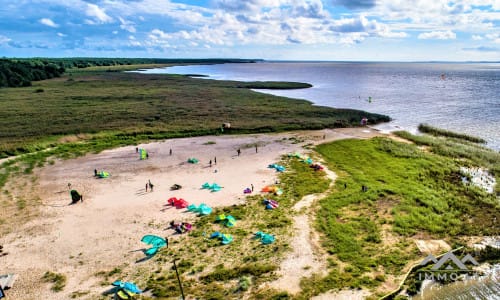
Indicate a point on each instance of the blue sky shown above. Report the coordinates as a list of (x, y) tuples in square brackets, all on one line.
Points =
[(368, 30)]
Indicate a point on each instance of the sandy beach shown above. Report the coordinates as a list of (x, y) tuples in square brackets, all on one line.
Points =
[(104, 231)]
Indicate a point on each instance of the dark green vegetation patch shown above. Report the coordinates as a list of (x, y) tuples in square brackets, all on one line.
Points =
[(135, 107)]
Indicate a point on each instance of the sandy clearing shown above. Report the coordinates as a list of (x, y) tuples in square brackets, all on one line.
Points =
[(104, 231)]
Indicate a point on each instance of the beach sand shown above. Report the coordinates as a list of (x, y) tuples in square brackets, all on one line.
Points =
[(103, 232)]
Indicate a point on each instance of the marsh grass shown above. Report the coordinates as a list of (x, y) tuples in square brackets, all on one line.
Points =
[(470, 154), (132, 106), (426, 128), (58, 280), (410, 193)]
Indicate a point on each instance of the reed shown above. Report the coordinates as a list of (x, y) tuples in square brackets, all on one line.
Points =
[(426, 128)]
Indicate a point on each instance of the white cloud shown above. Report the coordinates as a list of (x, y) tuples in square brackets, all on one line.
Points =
[(127, 25), (439, 35), (257, 24), (97, 13), (494, 37), (4, 39), (61, 34), (48, 22), (249, 5)]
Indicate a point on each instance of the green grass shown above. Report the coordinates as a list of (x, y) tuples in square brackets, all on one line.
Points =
[(425, 128), (132, 107), (469, 154), (426, 188), (410, 193), (58, 280)]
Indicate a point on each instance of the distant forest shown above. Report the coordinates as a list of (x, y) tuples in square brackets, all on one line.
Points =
[(22, 71)]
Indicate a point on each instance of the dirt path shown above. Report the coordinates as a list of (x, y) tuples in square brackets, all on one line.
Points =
[(306, 257)]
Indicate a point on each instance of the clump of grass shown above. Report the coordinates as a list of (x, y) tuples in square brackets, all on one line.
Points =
[(78, 294), (244, 283), (58, 280), (209, 143), (223, 274), (21, 203), (426, 128)]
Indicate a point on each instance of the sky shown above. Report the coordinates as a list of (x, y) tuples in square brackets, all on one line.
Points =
[(330, 30)]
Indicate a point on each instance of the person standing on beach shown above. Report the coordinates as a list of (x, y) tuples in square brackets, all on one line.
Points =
[(215, 160), (256, 148), (150, 186), (251, 186), (210, 163), (239, 151), (147, 187), (170, 151)]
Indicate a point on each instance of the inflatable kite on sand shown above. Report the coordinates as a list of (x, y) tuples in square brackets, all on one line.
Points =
[(228, 221), (225, 238), (264, 237), (193, 160), (155, 241), (103, 174), (126, 290), (270, 204), (178, 203), (212, 187), (143, 154), (278, 168), (202, 210), (272, 189), (75, 196)]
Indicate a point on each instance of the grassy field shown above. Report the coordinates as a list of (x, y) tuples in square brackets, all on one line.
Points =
[(137, 107), (411, 194)]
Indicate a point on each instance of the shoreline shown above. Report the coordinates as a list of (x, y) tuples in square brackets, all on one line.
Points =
[(398, 122)]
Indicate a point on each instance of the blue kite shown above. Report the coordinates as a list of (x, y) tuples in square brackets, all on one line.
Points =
[(155, 241)]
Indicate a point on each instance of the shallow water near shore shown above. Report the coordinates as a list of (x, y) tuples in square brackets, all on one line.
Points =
[(461, 97)]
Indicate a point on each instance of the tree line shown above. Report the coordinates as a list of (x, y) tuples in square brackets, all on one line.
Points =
[(17, 73), (21, 72)]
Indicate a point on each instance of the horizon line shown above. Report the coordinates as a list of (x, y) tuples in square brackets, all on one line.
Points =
[(260, 59)]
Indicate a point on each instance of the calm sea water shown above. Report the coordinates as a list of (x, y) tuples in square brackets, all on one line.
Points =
[(461, 97)]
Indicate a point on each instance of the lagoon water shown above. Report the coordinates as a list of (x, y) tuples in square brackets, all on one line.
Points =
[(461, 97)]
